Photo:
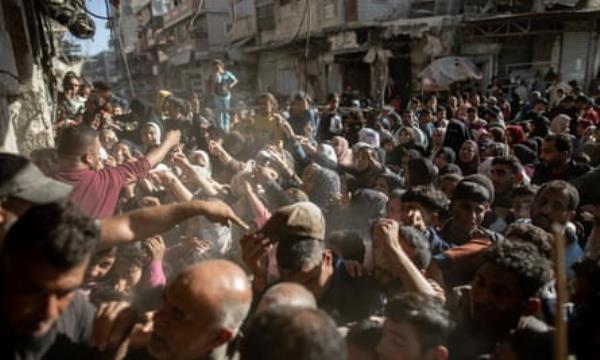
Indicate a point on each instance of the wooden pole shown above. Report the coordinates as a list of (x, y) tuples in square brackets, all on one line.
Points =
[(560, 269)]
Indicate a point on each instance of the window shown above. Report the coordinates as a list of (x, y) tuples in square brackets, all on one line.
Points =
[(244, 8)]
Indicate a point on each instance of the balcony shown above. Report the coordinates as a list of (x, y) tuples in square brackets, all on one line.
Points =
[(183, 10)]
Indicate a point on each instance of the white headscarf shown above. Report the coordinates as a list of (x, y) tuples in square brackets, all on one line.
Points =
[(328, 151), (157, 128), (560, 124), (369, 136), (204, 171)]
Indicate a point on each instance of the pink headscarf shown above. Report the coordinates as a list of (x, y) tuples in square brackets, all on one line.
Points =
[(342, 150)]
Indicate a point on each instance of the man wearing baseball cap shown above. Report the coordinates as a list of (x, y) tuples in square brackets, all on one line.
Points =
[(23, 185), (302, 257)]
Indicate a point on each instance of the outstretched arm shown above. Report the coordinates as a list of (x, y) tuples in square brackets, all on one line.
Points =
[(145, 222), (157, 155)]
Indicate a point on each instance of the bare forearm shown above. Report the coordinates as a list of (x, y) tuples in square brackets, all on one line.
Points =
[(178, 191), (146, 222), (204, 184), (157, 155), (412, 279)]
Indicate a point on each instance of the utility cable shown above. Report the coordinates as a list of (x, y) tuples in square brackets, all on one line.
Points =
[(92, 14)]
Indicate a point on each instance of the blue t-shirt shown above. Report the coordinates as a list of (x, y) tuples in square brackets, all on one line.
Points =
[(226, 78)]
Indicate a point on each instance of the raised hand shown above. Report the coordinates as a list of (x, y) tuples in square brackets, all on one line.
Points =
[(386, 233), (112, 324), (156, 246), (218, 211), (254, 254)]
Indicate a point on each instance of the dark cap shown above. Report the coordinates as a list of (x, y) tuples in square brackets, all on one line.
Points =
[(299, 220), (28, 183), (471, 191)]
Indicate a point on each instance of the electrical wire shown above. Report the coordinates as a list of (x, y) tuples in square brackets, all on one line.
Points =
[(196, 15), (305, 11), (233, 20), (117, 33), (92, 14)]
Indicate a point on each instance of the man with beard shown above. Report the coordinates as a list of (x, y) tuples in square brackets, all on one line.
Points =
[(502, 300), (464, 232), (302, 257), (506, 175), (202, 312), (557, 161), (42, 263)]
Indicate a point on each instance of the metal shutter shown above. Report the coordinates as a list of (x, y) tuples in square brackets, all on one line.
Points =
[(575, 48)]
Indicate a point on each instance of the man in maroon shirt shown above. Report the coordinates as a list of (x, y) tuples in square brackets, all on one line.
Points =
[(23, 186), (96, 189)]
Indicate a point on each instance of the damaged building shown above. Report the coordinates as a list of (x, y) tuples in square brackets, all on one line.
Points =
[(379, 47)]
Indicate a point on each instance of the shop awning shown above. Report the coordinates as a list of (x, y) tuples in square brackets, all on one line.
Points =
[(443, 72)]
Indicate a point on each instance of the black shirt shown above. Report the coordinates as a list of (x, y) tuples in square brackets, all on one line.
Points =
[(544, 174), (67, 339)]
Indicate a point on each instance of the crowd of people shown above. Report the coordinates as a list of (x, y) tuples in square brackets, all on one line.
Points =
[(283, 230)]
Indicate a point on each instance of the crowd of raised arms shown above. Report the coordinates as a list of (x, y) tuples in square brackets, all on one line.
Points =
[(278, 229)]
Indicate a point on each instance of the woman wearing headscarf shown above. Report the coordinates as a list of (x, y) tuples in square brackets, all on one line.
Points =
[(560, 124), (437, 141), (369, 136), (468, 158), (327, 151), (367, 164), (406, 137), (342, 150), (201, 162), (322, 185), (150, 135), (515, 135)]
